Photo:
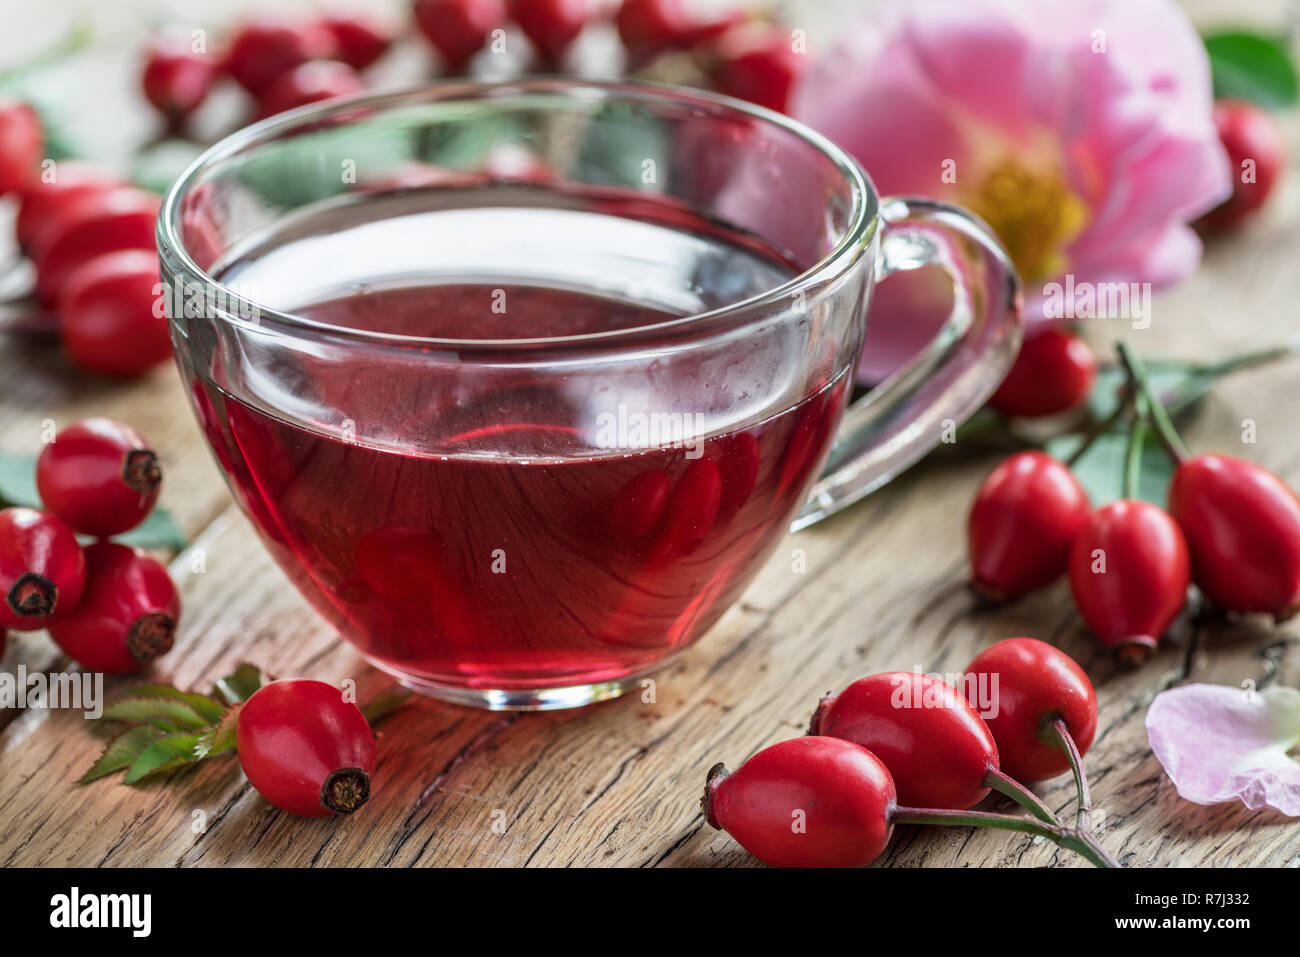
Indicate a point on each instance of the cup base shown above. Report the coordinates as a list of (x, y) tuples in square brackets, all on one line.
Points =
[(524, 699)]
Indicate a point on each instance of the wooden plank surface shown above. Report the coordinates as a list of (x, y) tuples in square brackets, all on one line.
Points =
[(617, 784)]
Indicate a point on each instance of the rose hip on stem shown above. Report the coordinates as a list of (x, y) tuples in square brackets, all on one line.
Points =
[(937, 748), (100, 476), (46, 196), (807, 802), (264, 48), (552, 25), (111, 319), (1129, 572), (458, 29), (1024, 518), (1033, 684), (305, 749), (42, 569), (1242, 525), (1053, 373), (127, 615), (1256, 157), (22, 141), (176, 79)]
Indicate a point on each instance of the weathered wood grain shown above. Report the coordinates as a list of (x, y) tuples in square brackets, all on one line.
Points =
[(618, 784)]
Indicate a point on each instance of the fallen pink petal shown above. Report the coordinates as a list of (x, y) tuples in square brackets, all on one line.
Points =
[(1220, 744)]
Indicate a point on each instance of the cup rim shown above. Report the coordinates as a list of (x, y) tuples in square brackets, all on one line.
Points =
[(861, 228)]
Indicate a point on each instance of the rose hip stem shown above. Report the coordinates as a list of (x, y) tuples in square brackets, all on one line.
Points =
[(1008, 786), (1101, 428), (1164, 427), (1066, 741), (1137, 437), (1073, 839)]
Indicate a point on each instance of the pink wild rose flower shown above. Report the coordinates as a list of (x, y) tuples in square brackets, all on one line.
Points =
[(1079, 130)]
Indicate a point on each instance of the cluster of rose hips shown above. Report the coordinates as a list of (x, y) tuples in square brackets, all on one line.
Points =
[(903, 747), (1232, 527), (283, 63), (110, 607), (90, 236)]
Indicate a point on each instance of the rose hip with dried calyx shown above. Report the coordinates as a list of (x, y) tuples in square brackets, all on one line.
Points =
[(127, 615), (100, 476), (306, 749), (42, 569)]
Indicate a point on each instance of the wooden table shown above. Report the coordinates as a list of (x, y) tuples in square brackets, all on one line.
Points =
[(619, 783)]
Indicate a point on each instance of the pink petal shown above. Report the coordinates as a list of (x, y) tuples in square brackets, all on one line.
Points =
[(1220, 744)]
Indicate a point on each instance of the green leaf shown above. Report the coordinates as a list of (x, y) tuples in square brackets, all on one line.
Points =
[(1101, 470), (18, 480), (207, 708), (386, 702), (157, 167), (170, 710), (240, 684), (169, 751), (122, 751), (221, 736), (159, 530), (1253, 67)]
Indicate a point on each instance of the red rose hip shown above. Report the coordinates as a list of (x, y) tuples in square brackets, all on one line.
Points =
[(551, 25), (1256, 158), (937, 748), (1023, 520), (42, 569), (1053, 372), (1032, 684), (458, 29), (127, 615), (46, 196), (111, 314), (176, 79), (808, 802), (1129, 572), (100, 476), (1242, 525), (311, 82), (306, 749), (98, 223), (359, 40), (265, 48), (761, 68), (22, 142)]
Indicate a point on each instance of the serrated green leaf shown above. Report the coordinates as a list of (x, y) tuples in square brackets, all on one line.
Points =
[(1251, 66), (240, 684), (170, 710), (207, 708), (221, 736), (169, 751), (121, 752)]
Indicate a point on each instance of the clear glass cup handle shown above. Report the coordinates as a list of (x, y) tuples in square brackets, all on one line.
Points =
[(905, 416)]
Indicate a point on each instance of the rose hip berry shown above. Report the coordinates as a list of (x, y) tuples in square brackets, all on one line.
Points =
[(46, 196), (1242, 525), (1033, 684), (692, 506), (22, 141), (306, 749), (937, 748), (310, 82), (265, 48), (807, 802), (761, 68), (176, 79), (42, 569), (127, 614), (1022, 523), (649, 27), (99, 476), (638, 507), (1255, 153), (1053, 372), (551, 25), (358, 39), (459, 28), (102, 222), (111, 318), (1129, 572)]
